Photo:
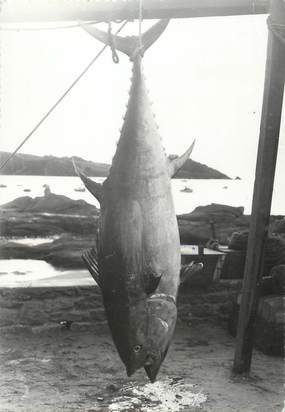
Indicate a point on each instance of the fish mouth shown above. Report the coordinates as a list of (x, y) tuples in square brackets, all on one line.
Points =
[(152, 370), (131, 370), (152, 366)]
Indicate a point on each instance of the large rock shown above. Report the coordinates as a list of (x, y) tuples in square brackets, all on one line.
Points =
[(47, 215), (274, 249), (278, 225), (278, 274), (269, 328), (214, 212), (211, 221), (51, 203), (269, 324), (24, 224), (64, 252), (193, 233), (275, 283)]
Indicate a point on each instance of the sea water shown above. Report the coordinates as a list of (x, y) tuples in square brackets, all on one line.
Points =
[(18, 272), (37, 273), (203, 191)]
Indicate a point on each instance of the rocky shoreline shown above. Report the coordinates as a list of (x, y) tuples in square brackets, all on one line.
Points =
[(75, 222)]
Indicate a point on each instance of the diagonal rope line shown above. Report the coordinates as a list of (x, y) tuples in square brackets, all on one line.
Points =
[(70, 26), (58, 101)]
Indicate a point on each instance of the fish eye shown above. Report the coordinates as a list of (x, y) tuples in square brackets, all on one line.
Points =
[(137, 348)]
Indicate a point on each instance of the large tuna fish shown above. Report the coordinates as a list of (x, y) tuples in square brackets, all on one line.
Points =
[(136, 261)]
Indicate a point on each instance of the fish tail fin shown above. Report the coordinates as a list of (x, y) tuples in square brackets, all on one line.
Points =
[(129, 45)]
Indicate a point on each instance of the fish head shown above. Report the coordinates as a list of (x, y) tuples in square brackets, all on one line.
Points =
[(162, 314), (151, 326)]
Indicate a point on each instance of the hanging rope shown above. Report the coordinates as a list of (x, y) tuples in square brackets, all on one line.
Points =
[(58, 101), (140, 23), (115, 56), (276, 29), (139, 50)]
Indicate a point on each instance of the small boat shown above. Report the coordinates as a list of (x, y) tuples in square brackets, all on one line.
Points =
[(225, 187), (27, 190), (2, 186), (186, 189), (79, 189)]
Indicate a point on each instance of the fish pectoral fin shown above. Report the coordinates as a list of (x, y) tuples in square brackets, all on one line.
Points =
[(96, 189), (175, 164), (129, 44), (151, 282), (190, 269), (90, 259)]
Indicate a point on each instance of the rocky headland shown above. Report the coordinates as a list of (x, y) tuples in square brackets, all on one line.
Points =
[(26, 164)]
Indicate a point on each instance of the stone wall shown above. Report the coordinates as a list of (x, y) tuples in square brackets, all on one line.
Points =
[(29, 307), (32, 307), (46, 308)]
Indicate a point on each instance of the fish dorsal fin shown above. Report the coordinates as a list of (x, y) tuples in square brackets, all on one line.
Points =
[(96, 189), (130, 44), (91, 261), (175, 164)]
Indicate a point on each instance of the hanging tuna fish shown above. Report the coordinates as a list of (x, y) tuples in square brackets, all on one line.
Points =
[(137, 259)]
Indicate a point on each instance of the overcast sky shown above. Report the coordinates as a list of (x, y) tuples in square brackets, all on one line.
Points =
[(205, 77)]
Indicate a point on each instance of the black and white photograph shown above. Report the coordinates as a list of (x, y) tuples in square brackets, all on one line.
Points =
[(142, 224)]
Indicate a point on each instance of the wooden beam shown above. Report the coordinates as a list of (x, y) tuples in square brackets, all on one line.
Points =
[(263, 187), (102, 10)]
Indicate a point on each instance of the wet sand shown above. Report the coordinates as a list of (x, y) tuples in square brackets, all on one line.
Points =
[(52, 368)]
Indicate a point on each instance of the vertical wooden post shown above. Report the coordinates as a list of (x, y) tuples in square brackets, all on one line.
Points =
[(263, 187)]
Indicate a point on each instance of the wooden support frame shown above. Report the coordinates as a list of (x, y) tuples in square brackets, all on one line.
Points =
[(263, 188), (14, 11), (103, 10)]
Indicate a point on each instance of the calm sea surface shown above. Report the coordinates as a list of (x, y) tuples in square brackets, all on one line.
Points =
[(228, 192)]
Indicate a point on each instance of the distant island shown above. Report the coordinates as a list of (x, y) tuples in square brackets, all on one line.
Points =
[(25, 164)]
